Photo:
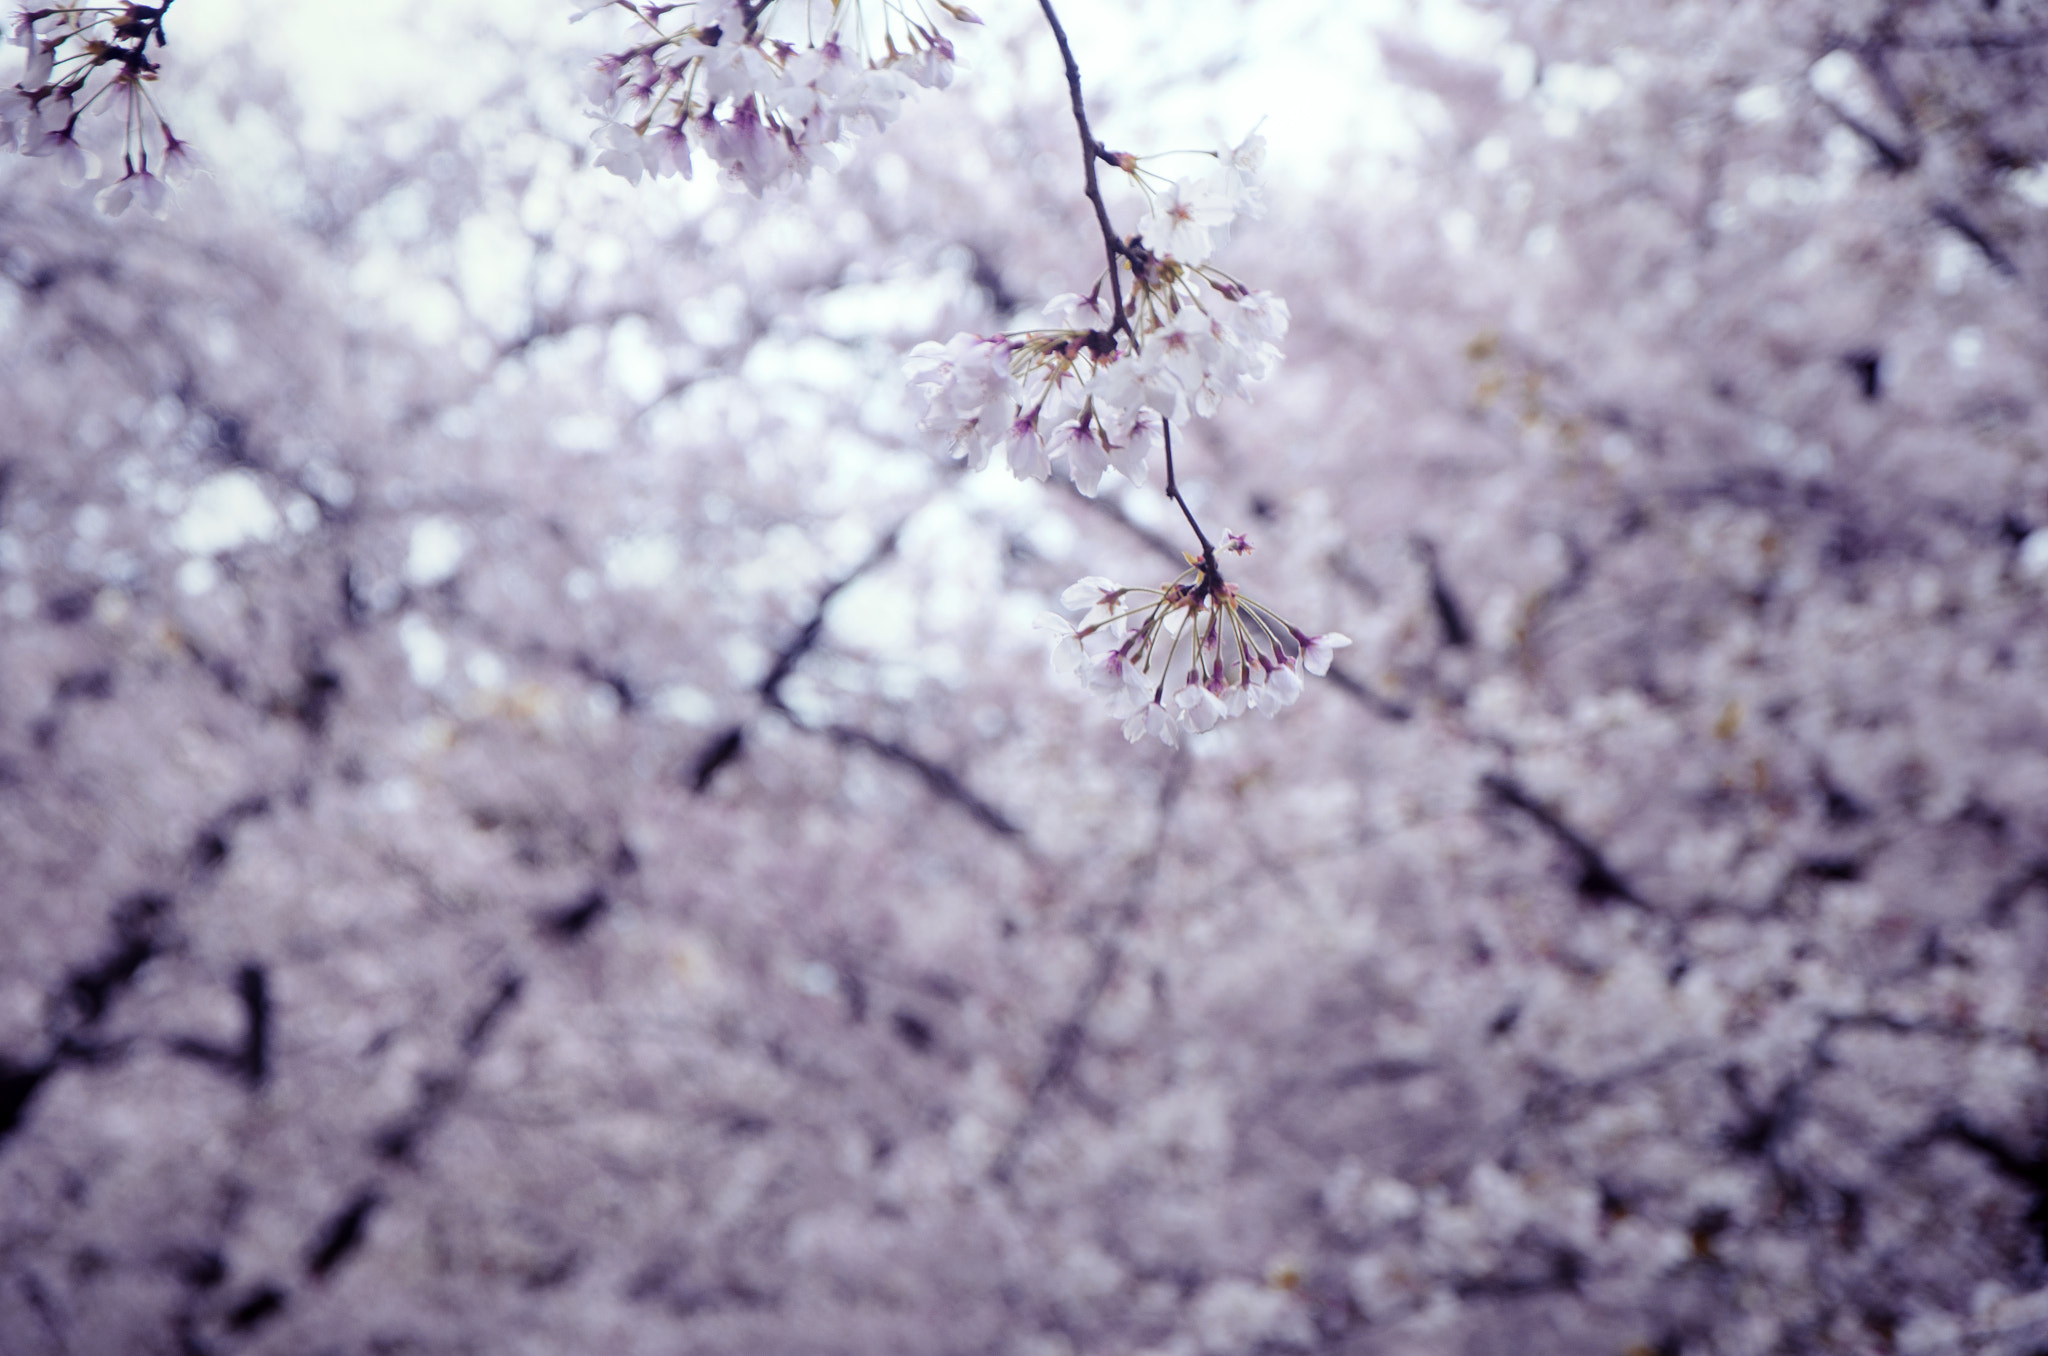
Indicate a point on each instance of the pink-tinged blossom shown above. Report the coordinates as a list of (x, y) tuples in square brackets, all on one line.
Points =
[(971, 392), (1092, 591), (74, 163), (17, 111), (1185, 352), (1113, 671), (621, 152), (138, 188), (1130, 435), (1199, 652), (1087, 459), (928, 62), (1317, 651), (1155, 720), (766, 91), (178, 162), (1239, 180), (1080, 314), (756, 152), (1280, 684), (1100, 391), (42, 58), (1200, 709), (1067, 649), (1025, 450), (1182, 216), (100, 60)]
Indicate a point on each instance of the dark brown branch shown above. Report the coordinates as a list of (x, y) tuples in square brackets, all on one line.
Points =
[(724, 748), (19, 1084), (250, 1061), (1064, 1053), (1449, 615), (813, 630), (1957, 220), (730, 743), (1897, 159), (1091, 151), (1597, 879), (1115, 249), (342, 1234), (941, 780), (440, 1089), (1999, 909), (2025, 1169), (1386, 708), (1212, 577), (1878, 63)]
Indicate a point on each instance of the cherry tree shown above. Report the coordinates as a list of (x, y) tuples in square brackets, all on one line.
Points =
[(535, 815)]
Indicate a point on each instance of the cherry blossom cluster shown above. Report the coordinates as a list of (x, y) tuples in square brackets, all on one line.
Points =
[(763, 88), (1182, 658), (1093, 390), (82, 58)]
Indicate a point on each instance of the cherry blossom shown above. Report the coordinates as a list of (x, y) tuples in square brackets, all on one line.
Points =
[(1178, 226), (75, 164), (1181, 658), (540, 825), (1200, 337), (766, 90), (138, 187), (83, 61)]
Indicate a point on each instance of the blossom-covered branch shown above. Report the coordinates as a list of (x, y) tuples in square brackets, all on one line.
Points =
[(1098, 389), (87, 57), (764, 88)]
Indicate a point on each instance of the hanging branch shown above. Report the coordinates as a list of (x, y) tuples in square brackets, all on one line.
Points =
[(1114, 250), (1091, 151)]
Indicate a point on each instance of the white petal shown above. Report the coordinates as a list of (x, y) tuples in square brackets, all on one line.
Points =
[(1088, 592)]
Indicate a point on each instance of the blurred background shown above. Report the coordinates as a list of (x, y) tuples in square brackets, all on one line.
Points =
[(533, 817)]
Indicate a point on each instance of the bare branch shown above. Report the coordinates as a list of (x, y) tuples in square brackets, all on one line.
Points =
[(1956, 219), (1597, 879), (943, 781)]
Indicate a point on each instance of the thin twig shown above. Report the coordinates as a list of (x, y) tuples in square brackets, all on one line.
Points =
[(1091, 151), (1212, 577), (1115, 249)]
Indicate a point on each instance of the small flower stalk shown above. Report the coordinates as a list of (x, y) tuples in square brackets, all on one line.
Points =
[(765, 89), (87, 60), (1183, 658)]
